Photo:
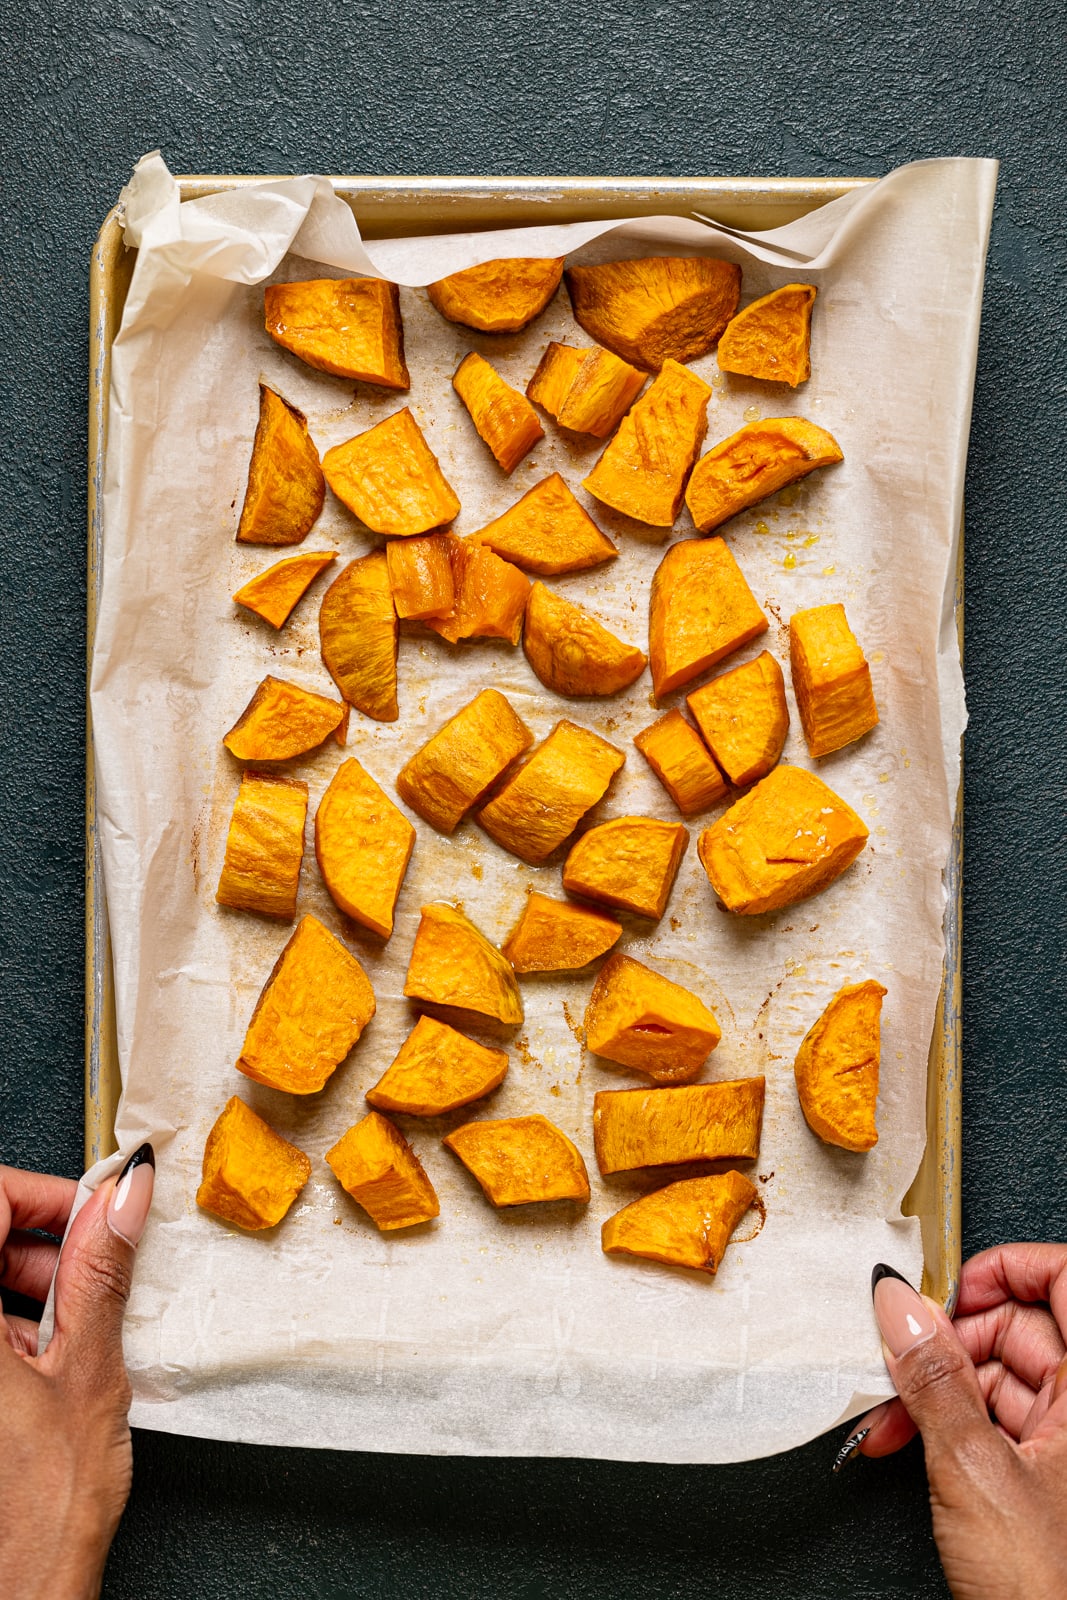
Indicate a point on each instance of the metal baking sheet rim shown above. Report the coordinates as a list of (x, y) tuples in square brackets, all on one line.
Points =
[(390, 206)]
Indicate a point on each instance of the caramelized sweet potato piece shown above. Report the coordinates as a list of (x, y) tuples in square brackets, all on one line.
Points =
[(744, 718), (642, 1020), (677, 756), (587, 391), (490, 595), (520, 1160), (837, 1068), (786, 839), (656, 308), (391, 479), (664, 1127), (554, 375), (687, 1224), (251, 1175), (286, 488), (453, 964), (363, 843), (754, 462), (700, 610), (460, 763), (438, 1070), (643, 471), (571, 652), (498, 296), (505, 419), (420, 576), (273, 594), (314, 1006), (382, 1173), (540, 807), (350, 327), (548, 532), (771, 338), (831, 679), (282, 720), (264, 846), (554, 936), (358, 636), (629, 862)]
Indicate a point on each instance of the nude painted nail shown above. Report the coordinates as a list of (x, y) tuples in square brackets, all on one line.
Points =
[(904, 1318), (127, 1210)]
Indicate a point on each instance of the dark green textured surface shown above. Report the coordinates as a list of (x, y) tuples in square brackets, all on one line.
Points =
[(556, 87)]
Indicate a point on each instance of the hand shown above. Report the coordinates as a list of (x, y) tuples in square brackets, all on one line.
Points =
[(66, 1460)]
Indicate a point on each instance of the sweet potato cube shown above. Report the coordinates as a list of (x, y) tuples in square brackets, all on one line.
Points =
[(831, 679), (758, 460), (490, 595), (629, 862), (656, 308), (521, 1160), (264, 846), (571, 652), (552, 379), (555, 936), (453, 964), (420, 576), (664, 1127), (282, 720), (744, 718), (390, 478), (382, 1173), (498, 296), (788, 838), (363, 843), (643, 471), (286, 488), (350, 327), (251, 1175), (461, 762), (642, 1020), (504, 418), (358, 636), (687, 1224), (314, 1006), (587, 391), (678, 757), (771, 338), (273, 594), (548, 532), (837, 1068), (437, 1070), (537, 809), (700, 610)]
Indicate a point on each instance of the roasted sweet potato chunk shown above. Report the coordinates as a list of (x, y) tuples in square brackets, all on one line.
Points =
[(358, 636), (498, 296), (420, 576), (453, 964), (437, 1070), (548, 532), (629, 862), (771, 338), (273, 594), (554, 375), (554, 936), (460, 763), (350, 327), (382, 1173), (687, 1224), (286, 488), (251, 1175), (758, 460), (390, 478), (571, 652), (363, 843), (831, 679), (282, 720), (642, 1020), (264, 846), (537, 809), (520, 1160), (587, 391), (656, 308), (677, 756), (664, 1127), (788, 838), (744, 718), (700, 610), (504, 418), (490, 595), (314, 1006), (837, 1068), (644, 470)]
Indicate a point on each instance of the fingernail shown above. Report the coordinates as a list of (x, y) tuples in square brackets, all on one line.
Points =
[(849, 1449), (127, 1210), (904, 1318)]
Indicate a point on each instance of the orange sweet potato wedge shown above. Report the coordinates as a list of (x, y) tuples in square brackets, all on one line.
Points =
[(788, 838), (831, 679), (691, 1122), (358, 636), (504, 418), (645, 468), (656, 308), (498, 296), (420, 576), (350, 327), (521, 1160), (363, 843), (771, 338), (313, 1008), (251, 1175), (548, 532), (555, 936), (382, 1173), (587, 391), (391, 479), (264, 846), (436, 1070), (571, 652), (837, 1068), (286, 488), (687, 1224), (758, 460), (554, 375), (537, 809), (282, 720), (700, 610), (490, 595), (453, 964), (629, 862), (678, 757), (453, 770), (273, 594), (744, 719), (642, 1020)]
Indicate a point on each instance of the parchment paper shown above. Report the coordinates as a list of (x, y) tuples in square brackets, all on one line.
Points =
[(510, 1332)]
